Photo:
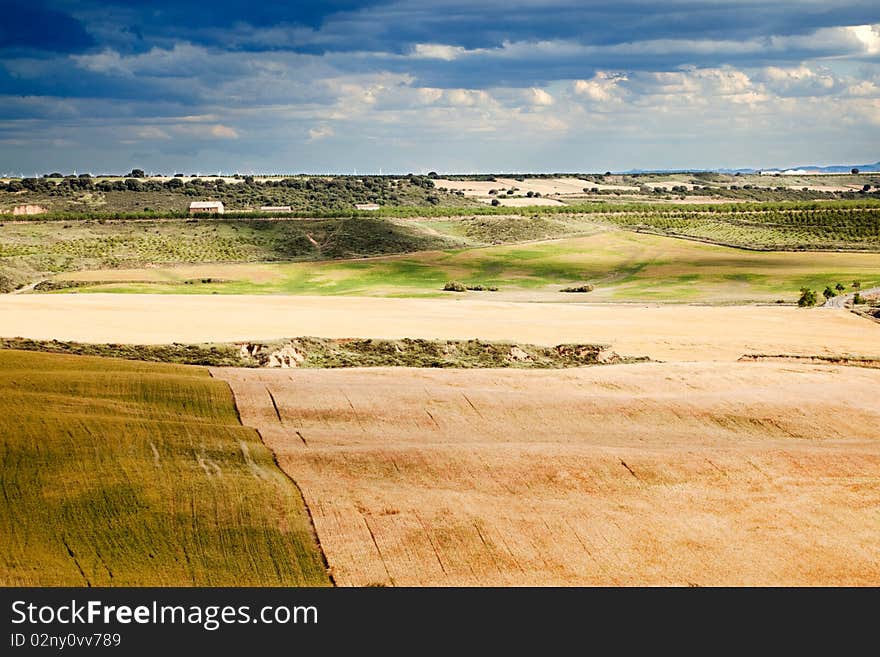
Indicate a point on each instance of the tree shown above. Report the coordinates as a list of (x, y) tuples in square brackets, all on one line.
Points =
[(857, 299), (857, 285), (839, 287), (828, 292), (807, 298), (136, 173), (495, 201), (854, 171)]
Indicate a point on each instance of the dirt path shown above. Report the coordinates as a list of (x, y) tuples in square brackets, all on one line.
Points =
[(840, 300), (27, 288)]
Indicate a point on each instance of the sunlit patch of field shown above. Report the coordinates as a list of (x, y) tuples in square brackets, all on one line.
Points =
[(648, 474), (623, 266)]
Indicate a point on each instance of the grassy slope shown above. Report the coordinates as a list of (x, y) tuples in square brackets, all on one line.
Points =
[(624, 266), (31, 250), (119, 473)]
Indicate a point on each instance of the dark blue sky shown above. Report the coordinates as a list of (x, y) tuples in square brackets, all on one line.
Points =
[(449, 85)]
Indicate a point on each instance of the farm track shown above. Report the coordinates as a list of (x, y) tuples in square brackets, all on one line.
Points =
[(687, 473), (841, 300)]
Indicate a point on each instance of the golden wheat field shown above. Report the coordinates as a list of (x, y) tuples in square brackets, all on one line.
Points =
[(678, 332), (643, 474)]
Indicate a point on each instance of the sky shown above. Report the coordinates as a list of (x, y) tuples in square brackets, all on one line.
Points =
[(400, 86)]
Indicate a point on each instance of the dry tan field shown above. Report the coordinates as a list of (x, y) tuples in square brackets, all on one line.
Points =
[(522, 201), (666, 474), (543, 186), (680, 332)]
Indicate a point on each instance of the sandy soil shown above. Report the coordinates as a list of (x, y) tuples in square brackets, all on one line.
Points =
[(706, 474), (545, 186), (662, 332), (522, 201)]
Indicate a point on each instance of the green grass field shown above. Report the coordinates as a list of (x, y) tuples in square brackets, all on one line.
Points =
[(118, 473), (624, 266), (34, 249)]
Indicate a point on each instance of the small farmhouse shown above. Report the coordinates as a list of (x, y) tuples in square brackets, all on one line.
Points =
[(367, 206), (206, 207)]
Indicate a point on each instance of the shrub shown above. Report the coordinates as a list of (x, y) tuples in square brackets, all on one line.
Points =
[(857, 298), (495, 201), (807, 298), (454, 286), (578, 288), (828, 292)]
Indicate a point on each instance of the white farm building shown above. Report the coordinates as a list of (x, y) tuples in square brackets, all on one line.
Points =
[(206, 207)]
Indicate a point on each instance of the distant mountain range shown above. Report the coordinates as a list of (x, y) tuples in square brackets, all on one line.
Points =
[(810, 168)]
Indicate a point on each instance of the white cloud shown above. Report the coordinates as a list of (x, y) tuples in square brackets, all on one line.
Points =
[(602, 88), (437, 51), (151, 132), (320, 132), (465, 97), (869, 36), (223, 132), (202, 131), (539, 97)]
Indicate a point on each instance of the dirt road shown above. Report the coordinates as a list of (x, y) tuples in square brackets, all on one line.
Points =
[(841, 300)]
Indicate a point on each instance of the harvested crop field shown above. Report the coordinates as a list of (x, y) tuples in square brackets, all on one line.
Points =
[(131, 474), (687, 473), (672, 332)]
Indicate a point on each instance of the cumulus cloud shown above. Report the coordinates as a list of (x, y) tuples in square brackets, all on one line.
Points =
[(539, 97), (602, 87), (247, 83)]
